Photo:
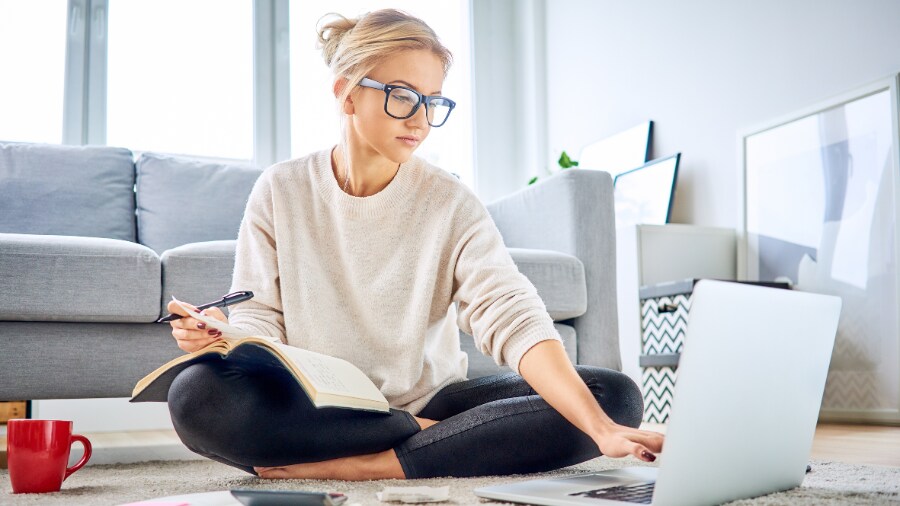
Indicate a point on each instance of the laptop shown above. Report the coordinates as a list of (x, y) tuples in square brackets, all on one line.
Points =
[(750, 383)]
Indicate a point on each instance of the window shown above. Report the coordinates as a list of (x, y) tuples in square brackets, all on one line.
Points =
[(180, 76), (314, 119), (33, 63)]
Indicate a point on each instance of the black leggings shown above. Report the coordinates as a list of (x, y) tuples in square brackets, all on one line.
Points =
[(493, 425)]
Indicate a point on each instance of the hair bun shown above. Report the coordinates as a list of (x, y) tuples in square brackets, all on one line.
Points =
[(332, 32)]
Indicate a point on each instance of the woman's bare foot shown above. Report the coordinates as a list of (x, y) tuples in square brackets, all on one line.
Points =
[(424, 423), (374, 466)]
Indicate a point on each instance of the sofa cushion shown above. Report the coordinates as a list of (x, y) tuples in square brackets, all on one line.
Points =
[(483, 365), (67, 190), (184, 200), (558, 278), (77, 279), (197, 273)]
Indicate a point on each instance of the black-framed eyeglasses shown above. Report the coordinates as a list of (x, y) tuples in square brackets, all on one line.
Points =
[(401, 102)]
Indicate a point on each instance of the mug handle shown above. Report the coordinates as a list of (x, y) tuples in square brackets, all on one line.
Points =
[(84, 458)]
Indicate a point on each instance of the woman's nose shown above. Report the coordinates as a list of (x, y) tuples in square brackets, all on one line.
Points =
[(420, 118)]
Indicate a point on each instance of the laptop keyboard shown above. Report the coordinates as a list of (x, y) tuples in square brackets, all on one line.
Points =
[(642, 493)]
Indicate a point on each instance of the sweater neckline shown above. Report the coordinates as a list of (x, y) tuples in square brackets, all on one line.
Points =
[(398, 190)]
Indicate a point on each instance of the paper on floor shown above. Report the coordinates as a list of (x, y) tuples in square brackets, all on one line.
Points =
[(414, 494)]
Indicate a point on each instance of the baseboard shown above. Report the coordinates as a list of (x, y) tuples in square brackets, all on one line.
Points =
[(125, 448)]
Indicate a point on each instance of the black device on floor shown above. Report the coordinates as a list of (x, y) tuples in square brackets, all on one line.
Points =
[(251, 497)]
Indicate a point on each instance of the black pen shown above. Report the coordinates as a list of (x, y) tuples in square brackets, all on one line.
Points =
[(227, 300)]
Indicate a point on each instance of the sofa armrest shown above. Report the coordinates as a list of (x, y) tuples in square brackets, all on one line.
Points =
[(573, 212)]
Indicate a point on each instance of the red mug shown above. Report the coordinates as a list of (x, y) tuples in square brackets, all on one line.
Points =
[(38, 452)]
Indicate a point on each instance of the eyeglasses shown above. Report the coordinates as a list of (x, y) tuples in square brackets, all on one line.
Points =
[(401, 102)]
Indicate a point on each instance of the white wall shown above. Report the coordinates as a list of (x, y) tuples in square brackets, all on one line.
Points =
[(703, 70)]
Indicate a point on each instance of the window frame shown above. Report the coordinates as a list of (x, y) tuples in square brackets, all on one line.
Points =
[(85, 81)]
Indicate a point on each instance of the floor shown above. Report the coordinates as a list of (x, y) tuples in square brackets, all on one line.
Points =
[(857, 444), (860, 444)]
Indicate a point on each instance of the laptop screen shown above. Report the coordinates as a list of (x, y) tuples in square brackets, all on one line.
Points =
[(644, 195)]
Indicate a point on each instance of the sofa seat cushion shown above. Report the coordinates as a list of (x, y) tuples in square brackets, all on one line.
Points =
[(197, 273), (77, 279), (183, 200), (483, 365), (558, 277), (67, 190)]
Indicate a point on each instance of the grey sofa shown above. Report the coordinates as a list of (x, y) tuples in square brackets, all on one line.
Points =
[(93, 244)]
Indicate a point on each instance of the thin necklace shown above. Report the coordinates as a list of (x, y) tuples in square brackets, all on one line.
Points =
[(347, 177)]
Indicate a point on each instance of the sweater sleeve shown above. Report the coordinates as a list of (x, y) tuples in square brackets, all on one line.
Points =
[(498, 305), (256, 267)]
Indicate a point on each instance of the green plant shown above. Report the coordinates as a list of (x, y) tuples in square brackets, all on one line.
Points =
[(564, 162)]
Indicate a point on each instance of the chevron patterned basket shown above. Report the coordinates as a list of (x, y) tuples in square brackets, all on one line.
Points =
[(664, 316)]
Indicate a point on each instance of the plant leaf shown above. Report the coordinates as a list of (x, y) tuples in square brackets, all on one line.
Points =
[(566, 162), (532, 180)]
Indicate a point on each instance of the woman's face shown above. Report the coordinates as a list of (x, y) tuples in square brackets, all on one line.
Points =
[(391, 138)]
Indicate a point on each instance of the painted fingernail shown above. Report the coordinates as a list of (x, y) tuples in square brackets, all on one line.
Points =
[(212, 332), (201, 325), (649, 456), (219, 333)]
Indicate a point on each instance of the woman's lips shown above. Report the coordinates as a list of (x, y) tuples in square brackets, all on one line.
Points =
[(409, 140)]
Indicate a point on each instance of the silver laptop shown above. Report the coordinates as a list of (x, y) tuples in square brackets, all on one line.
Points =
[(750, 383)]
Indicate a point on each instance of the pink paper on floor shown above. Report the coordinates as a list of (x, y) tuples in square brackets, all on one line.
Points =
[(145, 503)]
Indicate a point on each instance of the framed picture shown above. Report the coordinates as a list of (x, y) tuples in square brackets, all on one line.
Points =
[(820, 209), (645, 195), (623, 151)]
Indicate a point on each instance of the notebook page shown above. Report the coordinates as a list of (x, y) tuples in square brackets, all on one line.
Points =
[(333, 375)]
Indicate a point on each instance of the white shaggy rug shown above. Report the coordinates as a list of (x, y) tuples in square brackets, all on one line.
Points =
[(829, 483)]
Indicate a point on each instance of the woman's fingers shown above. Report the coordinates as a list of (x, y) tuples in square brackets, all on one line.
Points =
[(652, 440), (191, 333), (643, 445), (271, 472), (190, 323), (644, 454), (638, 451), (193, 340), (175, 308), (215, 313)]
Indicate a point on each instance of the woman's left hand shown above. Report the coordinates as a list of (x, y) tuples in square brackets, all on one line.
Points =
[(618, 441)]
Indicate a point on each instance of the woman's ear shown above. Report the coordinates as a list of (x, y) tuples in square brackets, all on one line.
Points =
[(339, 84)]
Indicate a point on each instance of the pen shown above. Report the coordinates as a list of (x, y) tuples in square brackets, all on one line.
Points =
[(226, 300)]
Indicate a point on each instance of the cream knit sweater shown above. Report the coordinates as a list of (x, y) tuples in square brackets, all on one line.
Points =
[(373, 280)]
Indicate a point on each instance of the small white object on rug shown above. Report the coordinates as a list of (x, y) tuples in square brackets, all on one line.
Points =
[(414, 494)]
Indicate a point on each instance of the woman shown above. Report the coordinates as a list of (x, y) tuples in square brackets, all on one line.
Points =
[(360, 252)]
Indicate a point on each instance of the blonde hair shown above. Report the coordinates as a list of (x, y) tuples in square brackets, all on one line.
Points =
[(353, 47)]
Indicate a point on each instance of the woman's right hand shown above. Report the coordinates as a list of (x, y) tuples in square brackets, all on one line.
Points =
[(192, 334)]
